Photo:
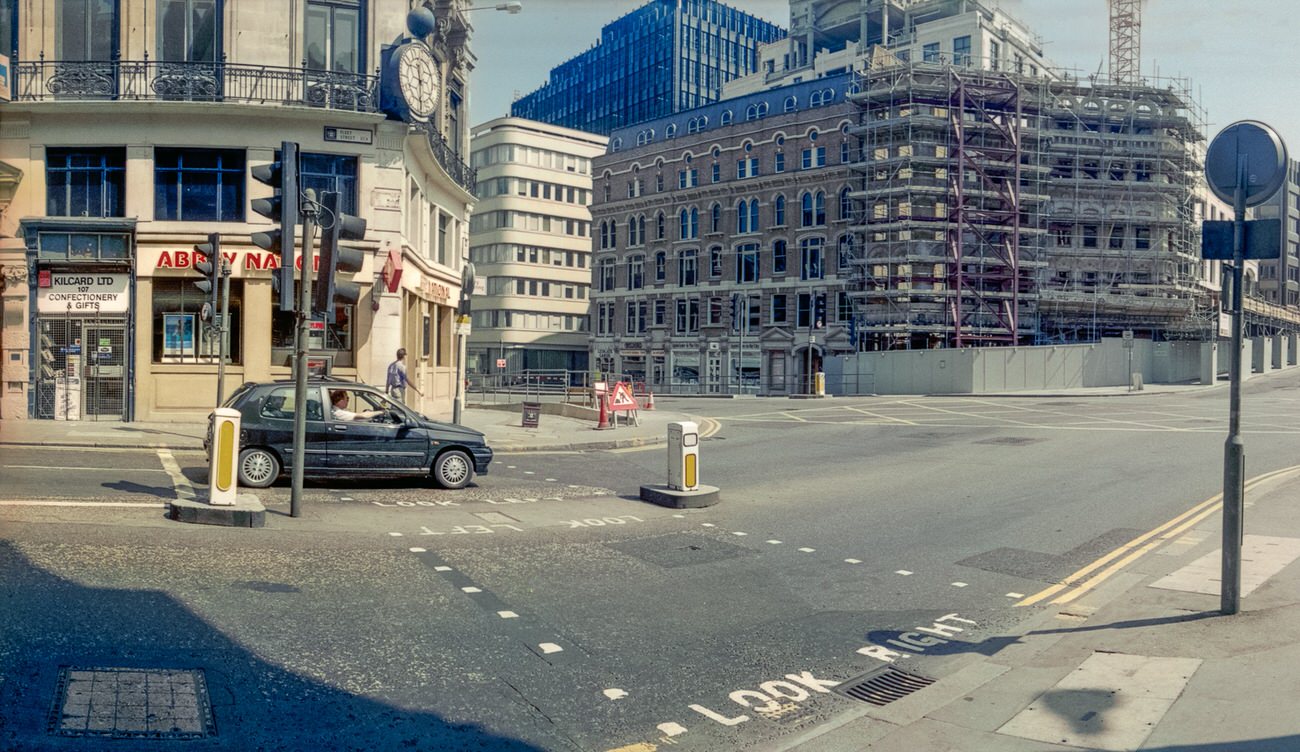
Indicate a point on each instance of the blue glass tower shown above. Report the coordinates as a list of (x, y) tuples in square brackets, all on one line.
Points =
[(664, 57)]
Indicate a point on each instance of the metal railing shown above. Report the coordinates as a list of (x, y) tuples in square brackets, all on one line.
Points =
[(463, 174), (117, 80)]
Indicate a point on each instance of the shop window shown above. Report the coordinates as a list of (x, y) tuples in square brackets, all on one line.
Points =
[(329, 339), (197, 185), (85, 182), (331, 172), (179, 336)]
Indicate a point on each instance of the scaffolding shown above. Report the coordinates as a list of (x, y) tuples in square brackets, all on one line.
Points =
[(1123, 249), (950, 234)]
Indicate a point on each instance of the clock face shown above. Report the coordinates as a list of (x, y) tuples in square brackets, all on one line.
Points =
[(417, 77)]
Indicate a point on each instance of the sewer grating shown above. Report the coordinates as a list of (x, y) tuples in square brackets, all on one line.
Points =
[(883, 686), (131, 703)]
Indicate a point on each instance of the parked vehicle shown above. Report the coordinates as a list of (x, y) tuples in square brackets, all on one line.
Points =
[(352, 430)]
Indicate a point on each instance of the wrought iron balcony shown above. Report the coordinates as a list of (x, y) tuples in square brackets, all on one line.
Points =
[(462, 173), (127, 80)]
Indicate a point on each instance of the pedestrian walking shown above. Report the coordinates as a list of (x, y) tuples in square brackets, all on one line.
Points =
[(397, 381)]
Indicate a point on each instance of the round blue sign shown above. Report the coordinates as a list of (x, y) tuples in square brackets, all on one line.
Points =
[(1264, 154)]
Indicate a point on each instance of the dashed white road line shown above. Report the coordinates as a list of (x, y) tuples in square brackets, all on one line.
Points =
[(807, 550), (507, 614), (614, 693), (671, 729), (550, 647), (1017, 596), (395, 534), (442, 569), (417, 550), (775, 542), (852, 561), (737, 532), (960, 584), (903, 572), (470, 589)]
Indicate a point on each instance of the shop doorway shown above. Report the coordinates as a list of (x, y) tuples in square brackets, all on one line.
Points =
[(82, 373)]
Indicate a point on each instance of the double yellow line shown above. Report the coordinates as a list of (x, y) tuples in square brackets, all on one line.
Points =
[(1075, 585)]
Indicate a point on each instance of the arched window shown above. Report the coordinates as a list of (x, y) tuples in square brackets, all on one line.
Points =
[(640, 230), (616, 144), (791, 104), (778, 210), (819, 208), (660, 228), (715, 218), (846, 204), (631, 231), (742, 217), (715, 261), (753, 215), (670, 131), (806, 219), (685, 219), (727, 117), (661, 266), (645, 137), (695, 222)]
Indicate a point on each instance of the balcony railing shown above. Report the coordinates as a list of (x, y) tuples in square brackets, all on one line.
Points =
[(115, 80), (462, 173)]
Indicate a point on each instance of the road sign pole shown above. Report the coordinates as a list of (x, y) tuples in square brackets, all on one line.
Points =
[(300, 356), (1234, 449)]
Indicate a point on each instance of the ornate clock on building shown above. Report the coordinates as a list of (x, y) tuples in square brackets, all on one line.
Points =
[(412, 82)]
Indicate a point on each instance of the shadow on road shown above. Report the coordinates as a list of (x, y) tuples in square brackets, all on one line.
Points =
[(126, 486), (47, 622)]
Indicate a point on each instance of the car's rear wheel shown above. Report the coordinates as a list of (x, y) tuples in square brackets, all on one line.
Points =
[(258, 467), (453, 469)]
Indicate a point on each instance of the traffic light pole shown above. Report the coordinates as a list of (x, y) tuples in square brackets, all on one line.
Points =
[(222, 333), (302, 339)]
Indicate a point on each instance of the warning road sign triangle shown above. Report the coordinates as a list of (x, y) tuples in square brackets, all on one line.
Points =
[(622, 398)]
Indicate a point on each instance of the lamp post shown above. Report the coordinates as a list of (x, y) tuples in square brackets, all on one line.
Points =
[(512, 7)]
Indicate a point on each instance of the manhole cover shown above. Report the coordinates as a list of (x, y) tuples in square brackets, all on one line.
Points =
[(1009, 441), (132, 703), (883, 686)]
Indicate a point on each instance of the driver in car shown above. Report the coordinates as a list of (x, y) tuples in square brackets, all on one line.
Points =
[(339, 408)]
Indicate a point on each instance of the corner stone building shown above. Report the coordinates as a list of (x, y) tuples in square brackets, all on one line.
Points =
[(716, 237), (131, 133)]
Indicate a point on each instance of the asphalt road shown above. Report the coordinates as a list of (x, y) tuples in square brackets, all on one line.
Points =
[(547, 608)]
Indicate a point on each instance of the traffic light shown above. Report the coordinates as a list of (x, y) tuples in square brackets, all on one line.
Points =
[(282, 209), (819, 309), (336, 258), (211, 271)]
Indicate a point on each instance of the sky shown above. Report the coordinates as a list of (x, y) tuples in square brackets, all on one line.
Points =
[(1239, 56)]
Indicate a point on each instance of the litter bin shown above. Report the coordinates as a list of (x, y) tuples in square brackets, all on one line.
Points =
[(532, 414)]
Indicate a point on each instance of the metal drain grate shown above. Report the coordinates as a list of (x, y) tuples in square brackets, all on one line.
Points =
[(883, 686), (132, 703)]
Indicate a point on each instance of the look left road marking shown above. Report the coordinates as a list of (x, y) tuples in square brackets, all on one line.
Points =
[(184, 490)]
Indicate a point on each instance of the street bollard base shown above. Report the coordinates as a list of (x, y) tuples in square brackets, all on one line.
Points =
[(246, 512), (705, 496)]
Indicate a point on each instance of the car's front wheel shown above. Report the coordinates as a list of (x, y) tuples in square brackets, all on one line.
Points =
[(258, 468), (453, 469)]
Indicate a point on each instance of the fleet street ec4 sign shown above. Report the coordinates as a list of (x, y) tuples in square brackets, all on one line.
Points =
[(84, 293)]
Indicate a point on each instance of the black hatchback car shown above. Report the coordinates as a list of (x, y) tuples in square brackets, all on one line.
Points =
[(352, 430)]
